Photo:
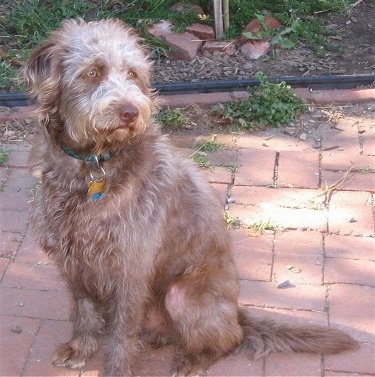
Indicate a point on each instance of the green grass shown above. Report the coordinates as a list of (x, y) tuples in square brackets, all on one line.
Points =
[(8, 74)]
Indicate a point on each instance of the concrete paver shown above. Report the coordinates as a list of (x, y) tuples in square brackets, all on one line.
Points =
[(323, 243)]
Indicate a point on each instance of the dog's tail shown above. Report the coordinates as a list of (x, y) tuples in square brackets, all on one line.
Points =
[(264, 336)]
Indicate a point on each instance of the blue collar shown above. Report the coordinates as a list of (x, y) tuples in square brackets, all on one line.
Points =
[(91, 157)]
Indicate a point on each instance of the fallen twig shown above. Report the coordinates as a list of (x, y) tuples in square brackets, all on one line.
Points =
[(338, 183)]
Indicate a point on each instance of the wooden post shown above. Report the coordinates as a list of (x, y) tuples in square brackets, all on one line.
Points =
[(226, 14), (218, 14)]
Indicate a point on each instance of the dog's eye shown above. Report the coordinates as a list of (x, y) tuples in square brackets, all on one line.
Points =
[(92, 73), (131, 74)]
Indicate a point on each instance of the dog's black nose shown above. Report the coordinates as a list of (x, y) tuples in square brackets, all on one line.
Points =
[(128, 113)]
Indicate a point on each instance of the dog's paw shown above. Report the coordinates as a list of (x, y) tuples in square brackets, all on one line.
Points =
[(185, 365), (66, 356)]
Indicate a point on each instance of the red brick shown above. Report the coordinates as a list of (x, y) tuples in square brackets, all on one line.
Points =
[(19, 155), (4, 173), (201, 31), (340, 161), (359, 362), (353, 181), (351, 213), (237, 365), (298, 242), (294, 364), (284, 218), (218, 175), (9, 243), (20, 179), (287, 316), (303, 251), (253, 255), (13, 221), (351, 308), (203, 99), (316, 96), (343, 138), (281, 197), (37, 276), (255, 167), (304, 297), (50, 335), (342, 374), (30, 251), (17, 191), (222, 192), (368, 139), (254, 195), (4, 262), (298, 169), (14, 347), (224, 157), (227, 46), (349, 247), (185, 45), (35, 304), (273, 139), (350, 271), (256, 140), (335, 96)]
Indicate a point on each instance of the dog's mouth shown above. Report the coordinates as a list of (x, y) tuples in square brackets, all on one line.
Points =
[(127, 119)]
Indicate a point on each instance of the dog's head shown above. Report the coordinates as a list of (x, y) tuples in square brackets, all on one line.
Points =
[(92, 80)]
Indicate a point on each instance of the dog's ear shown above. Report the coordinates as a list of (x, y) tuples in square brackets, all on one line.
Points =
[(42, 73)]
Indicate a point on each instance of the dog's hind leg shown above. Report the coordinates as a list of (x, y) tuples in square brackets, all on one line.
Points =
[(88, 326), (205, 321)]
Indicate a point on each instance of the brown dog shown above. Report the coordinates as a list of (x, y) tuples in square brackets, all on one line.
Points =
[(135, 230)]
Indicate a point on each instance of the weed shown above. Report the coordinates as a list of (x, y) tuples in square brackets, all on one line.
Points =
[(364, 170), (275, 36), (294, 14), (208, 145), (271, 104), (261, 225), (4, 156), (231, 167), (172, 119), (200, 158), (7, 75), (231, 221)]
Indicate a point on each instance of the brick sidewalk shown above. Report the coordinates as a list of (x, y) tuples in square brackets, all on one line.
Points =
[(322, 242)]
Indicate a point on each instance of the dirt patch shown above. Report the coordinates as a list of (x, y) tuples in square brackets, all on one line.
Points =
[(351, 51)]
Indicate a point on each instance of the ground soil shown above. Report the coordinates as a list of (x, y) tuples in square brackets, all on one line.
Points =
[(351, 51)]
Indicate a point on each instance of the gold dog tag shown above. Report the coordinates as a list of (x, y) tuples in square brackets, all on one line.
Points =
[(96, 188)]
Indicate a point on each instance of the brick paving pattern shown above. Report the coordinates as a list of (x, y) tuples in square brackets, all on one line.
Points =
[(321, 240)]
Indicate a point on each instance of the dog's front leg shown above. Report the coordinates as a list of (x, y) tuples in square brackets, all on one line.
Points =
[(88, 326), (123, 342)]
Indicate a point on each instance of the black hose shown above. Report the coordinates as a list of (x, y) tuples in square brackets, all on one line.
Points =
[(313, 82)]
